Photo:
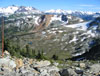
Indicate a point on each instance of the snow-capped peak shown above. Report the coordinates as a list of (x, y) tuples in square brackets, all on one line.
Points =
[(23, 9), (58, 11), (17, 9), (9, 9)]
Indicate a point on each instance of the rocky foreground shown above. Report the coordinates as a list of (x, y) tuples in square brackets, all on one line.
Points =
[(31, 67)]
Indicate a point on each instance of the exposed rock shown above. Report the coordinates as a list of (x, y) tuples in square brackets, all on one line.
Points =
[(82, 65), (7, 54), (49, 71), (79, 71), (19, 63), (42, 63), (33, 67), (30, 61), (64, 72), (36, 72), (5, 62), (72, 72), (54, 73), (56, 64), (95, 68)]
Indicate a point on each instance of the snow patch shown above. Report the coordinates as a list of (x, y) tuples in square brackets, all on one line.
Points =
[(55, 18), (36, 20), (79, 26), (73, 40)]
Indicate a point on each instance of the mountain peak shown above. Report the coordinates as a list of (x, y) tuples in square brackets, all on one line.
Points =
[(18, 9)]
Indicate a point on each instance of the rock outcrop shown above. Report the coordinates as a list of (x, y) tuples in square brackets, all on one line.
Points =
[(32, 67)]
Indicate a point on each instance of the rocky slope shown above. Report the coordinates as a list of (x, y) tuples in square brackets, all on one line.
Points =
[(64, 35), (31, 67)]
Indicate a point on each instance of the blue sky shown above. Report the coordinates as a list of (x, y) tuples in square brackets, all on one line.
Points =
[(83, 5)]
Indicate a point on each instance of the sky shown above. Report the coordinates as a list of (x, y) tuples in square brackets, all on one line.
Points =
[(81, 5)]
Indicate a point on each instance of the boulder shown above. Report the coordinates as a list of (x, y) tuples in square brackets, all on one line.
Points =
[(72, 72), (64, 72), (54, 73), (19, 63), (6, 62), (55, 63), (49, 71), (79, 71), (30, 61), (82, 65), (95, 68), (42, 63), (6, 54)]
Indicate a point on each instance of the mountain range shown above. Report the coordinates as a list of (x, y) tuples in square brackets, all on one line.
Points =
[(27, 10), (66, 33)]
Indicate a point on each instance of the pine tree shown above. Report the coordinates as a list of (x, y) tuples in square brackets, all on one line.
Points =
[(28, 50), (40, 55), (55, 57), (33, 53)]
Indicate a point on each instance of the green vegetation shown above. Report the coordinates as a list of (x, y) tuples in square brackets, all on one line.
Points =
[(40, 55), (15, 50)]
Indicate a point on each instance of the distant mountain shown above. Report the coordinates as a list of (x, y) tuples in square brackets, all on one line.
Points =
[(27, 10), (81, 14), (18, 9), (8, 10), (60, 11), (31, 10)]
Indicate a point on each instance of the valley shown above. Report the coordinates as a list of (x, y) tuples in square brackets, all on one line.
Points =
[(65, 38)]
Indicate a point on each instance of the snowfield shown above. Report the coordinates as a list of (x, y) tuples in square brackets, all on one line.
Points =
[(79, 26)]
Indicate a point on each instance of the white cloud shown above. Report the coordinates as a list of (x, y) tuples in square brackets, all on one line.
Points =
[(87, 5)]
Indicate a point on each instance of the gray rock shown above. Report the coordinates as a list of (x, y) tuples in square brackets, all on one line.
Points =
[(49, 71), (82, 65), (27, 74), (6, 62), (54, 73), (95, 68), (64, 72), (72, 72), (79, 71), (42, 63)]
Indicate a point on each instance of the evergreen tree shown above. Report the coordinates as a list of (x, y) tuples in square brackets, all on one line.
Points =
[(27, 50), (33, 53), (7, 45), (40, 55), (55, 57)]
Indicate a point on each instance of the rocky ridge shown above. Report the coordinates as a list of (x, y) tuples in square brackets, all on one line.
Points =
[(31, 67)]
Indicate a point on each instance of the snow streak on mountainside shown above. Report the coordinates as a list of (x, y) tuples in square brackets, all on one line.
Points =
[(80, 26)]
